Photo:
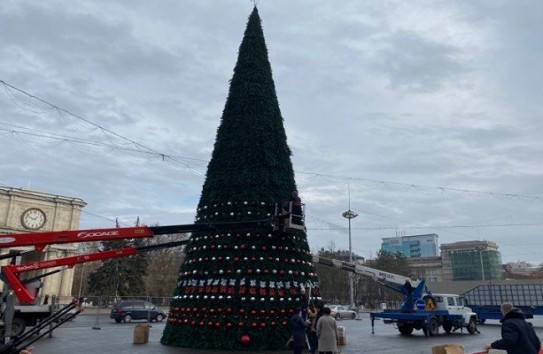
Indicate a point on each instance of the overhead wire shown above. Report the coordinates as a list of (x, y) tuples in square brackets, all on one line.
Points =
[(138, 146), (420, 187)]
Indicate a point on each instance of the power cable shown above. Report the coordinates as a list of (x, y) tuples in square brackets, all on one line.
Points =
[(52, 106), (418, 186)]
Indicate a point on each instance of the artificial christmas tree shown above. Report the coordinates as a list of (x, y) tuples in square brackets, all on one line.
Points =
[(237, 287)]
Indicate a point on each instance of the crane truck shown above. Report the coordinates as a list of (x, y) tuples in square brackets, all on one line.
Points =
[(421, 309)]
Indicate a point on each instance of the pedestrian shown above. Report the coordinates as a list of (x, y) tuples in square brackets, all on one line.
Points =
[(314, 317), (518, 336), (298, 328), (327, 333)]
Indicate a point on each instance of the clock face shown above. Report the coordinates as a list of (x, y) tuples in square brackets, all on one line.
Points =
[(33, 218)]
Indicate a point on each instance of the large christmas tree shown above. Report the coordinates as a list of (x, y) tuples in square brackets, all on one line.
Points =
[(237, 288)]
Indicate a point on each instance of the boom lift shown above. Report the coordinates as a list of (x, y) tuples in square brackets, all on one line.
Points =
[(421, 309), (14, 318)]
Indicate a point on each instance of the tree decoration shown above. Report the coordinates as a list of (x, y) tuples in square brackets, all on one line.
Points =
[(238, 287), (245, 340)]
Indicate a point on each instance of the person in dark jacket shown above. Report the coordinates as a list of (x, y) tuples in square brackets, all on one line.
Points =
[(518, 336), (298, 327), (314, 317)]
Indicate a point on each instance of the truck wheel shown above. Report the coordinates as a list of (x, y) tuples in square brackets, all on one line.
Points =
[(118, 320), (447, 326), (472, 326), (127, 318), (405, 328), (159, 318), (434, 326), (338, 316), (353, 316), (18, 326)]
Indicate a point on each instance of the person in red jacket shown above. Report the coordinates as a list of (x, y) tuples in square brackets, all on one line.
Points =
[(518, 336)]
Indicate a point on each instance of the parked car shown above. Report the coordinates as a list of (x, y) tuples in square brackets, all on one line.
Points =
[(339, 311), (128, 310)]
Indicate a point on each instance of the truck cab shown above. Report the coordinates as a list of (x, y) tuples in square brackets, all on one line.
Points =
[(458, 315), (430, 313)]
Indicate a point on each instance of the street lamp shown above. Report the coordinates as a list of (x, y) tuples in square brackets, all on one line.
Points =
[(481, 249), (349, 214)]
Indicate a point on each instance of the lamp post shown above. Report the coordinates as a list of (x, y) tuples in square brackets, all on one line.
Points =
[(349, 214), (480, 249)]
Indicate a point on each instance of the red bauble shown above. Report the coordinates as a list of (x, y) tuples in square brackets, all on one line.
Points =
[(263, 325), (241, 324), (254, 324), (245, 340), (229, 325)]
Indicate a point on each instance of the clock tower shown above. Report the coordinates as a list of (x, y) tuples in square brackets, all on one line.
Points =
[(28, 211)]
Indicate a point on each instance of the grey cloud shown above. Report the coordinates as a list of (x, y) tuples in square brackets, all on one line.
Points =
[(418, 64)]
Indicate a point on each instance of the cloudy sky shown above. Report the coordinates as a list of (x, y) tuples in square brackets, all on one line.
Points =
[(426, 115)]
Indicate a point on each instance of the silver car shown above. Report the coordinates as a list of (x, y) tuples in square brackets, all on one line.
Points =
[(339, 311)]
